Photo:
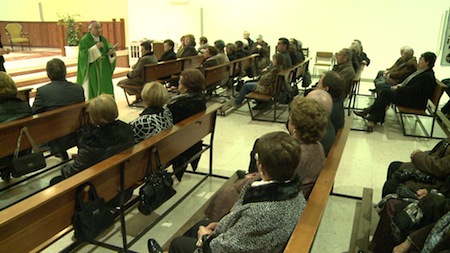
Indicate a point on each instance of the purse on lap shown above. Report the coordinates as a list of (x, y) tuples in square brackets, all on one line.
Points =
[(29, 162), (90, 218), (157, 188)]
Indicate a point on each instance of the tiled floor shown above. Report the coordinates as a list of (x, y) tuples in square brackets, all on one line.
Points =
[(364, 164)]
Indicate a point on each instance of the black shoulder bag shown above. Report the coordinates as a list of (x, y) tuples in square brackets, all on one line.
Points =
[(29, 162), (91, 218), (157, 188)]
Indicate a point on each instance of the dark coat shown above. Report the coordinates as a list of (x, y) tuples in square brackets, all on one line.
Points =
[(12, 109), (168, 55), (57, 94), (417, 91), (185, 105), (98, 143), (188, 51)]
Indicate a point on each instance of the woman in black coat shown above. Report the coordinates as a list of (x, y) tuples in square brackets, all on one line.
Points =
[(190, 101), (104, 137)]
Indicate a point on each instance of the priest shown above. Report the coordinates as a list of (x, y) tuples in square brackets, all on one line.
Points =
[(96, 62)]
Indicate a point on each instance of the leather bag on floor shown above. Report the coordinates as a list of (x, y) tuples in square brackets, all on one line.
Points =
[(90, 218), (157, 188)]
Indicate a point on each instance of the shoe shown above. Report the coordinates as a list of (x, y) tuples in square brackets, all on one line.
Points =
[(260, 106), (153, 246), (370, 125), (56, 180), (362, 113), (373, 90)]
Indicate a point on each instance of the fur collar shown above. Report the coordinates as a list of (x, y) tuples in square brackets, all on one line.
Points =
[(278, 191)]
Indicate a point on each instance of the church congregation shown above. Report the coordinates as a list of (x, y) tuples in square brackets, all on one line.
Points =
[(177, 90)]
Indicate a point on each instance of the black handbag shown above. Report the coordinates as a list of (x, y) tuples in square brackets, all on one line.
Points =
[(91, 218), (29, 162), (157, 188)]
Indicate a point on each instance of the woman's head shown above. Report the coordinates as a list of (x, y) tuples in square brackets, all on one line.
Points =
[(308, 120), (279, 61), (191, 81), (154, 94), (103, 110), (277, 156), (8, 87)]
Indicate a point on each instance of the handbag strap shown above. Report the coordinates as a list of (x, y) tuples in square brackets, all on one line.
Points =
[(92, 194), (33, 144), (159, 167)]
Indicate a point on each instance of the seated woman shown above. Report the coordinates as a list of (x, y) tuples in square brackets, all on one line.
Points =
[(190, 101), (105, 136), (156, 117), (307, 124), (11, 107), (265, 85), (403, 180), (267, 211), (413, 92)]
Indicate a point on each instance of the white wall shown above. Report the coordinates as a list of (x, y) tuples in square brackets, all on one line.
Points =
[(383, 26)]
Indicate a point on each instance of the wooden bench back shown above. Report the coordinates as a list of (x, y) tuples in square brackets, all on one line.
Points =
[(41, 219), (304, 233), (192, 62), (152, 72), (43, 127), (301, 68), (215, 74)]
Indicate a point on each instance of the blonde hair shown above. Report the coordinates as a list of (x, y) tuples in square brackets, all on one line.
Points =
[(103, 110), (154, 94), (7, 86)]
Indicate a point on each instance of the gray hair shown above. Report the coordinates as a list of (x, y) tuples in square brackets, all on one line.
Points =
[(408, 49)]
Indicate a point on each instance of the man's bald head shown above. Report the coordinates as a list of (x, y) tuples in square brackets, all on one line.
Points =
[(323, 97)]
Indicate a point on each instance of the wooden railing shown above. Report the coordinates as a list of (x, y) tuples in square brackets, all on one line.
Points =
[(49, 34)]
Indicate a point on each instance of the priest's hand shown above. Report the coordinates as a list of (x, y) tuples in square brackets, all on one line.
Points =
[(99, 44)]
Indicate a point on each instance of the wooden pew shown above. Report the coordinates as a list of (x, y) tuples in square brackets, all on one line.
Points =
[(43, 127), (304, 233), (287, 76), (38, 221), (164, 71)]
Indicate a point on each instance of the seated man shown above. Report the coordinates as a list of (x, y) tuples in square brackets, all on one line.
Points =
[(168, 54), (324, 98), (413, 92), (134, 77), (239, 50), (283, 48), (203, 41), (189, 47), (221, 56), (267, 208), (331, 82), (58, 93), (210, 59), (345, 69), (402, 68)]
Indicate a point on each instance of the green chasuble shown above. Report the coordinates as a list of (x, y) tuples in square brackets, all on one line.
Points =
[(95, 67)]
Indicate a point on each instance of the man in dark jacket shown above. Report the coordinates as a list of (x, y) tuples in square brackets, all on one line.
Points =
[(58, 93), (168, 54), (413, 92), (134, 77)]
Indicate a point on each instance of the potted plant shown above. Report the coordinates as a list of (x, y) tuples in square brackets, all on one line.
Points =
[(73, 33)]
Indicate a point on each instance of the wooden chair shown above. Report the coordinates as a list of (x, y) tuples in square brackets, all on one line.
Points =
[(306, 52), (429, 111), (16, 35), (324, 60)]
